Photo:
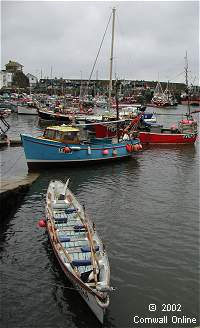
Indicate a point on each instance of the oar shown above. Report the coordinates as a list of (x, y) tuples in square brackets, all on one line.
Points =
[(69, 258), (60, 244), (93, 253), (92, 248), (93, 256)]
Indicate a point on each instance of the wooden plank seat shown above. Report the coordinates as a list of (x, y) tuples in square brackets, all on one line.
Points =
[(60, 205), (60, 220), (75, 244), (86, 249), (76, 229), (73, 238), (79, 227), (61, 215), (81, 262), (80, 248), (70, 223), (64, 207), (77, 250), (64, 239), (83, 269), (67, 223), (71, 233), (68, 238)]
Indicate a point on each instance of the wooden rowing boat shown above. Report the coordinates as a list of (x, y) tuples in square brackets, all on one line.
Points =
[(78, 248)]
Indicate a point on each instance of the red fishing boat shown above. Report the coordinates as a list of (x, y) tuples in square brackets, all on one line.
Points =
[(185, 133), (152, 133)]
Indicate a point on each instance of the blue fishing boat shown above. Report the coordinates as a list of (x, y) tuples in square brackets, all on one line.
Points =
[(70, 144)]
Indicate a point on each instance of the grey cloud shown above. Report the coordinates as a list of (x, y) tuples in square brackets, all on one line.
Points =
[(150, 37)]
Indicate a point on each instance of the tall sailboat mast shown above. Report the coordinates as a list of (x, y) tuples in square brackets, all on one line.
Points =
[(186, 82), (111, 57), (186, 70)]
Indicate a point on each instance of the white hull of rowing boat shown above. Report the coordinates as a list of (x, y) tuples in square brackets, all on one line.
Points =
[(88, 298), (61, 204)]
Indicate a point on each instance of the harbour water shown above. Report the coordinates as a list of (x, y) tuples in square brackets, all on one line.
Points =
[(146, 210)]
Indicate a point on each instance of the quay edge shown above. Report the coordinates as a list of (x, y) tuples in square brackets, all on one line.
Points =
[(10, 142), (13, 191)]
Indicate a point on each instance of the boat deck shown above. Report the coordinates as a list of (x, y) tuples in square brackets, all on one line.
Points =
[(72, 234)]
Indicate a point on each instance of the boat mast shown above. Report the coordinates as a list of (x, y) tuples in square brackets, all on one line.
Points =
[(117, 107), (186, 82), (186, 70), (111, 57)]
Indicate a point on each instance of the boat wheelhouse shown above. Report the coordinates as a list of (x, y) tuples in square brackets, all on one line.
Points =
[(63, 133)]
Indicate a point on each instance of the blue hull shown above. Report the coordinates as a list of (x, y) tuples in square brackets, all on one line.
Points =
[(41, 151)]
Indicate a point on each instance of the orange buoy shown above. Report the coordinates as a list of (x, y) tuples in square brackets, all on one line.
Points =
[(67, 150)]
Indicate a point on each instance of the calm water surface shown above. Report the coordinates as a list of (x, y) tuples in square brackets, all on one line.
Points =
[(147, 212)]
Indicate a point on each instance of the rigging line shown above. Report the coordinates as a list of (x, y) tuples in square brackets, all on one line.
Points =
[(99, 49), (177, 76), (13, 164)]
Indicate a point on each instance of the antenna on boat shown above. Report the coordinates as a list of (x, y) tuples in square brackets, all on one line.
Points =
[(111, 57), (186, 82)]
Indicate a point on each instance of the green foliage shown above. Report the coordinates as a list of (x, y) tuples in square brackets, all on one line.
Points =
[(20, 80)]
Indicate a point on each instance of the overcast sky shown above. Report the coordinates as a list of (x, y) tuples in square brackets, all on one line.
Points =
[(151, 38)]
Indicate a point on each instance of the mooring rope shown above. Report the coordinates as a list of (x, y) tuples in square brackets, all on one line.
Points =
[(56, 285)]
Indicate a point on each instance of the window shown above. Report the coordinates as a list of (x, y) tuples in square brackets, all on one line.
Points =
[(70, 136), (57, 135), (49, 134)]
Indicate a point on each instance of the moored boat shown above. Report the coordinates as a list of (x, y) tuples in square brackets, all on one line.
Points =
[(184, 133), (69, 145), (50, 115), (153, 133), (159, 98), (65, 115), (78, 247), (27, 108)]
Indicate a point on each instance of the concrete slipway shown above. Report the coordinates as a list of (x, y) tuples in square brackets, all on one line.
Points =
[(12, 191)]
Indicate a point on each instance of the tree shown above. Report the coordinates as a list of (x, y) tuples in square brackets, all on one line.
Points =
[(20, 80)]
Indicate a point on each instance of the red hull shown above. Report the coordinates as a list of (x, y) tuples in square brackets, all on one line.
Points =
[(150, 137), (165, 138)]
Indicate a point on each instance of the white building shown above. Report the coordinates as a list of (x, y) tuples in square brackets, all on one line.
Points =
[(32, 80), (5, 79)]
